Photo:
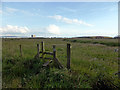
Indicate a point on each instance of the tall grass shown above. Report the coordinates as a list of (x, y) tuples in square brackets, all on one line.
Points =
[(108, 42), (92, 65)]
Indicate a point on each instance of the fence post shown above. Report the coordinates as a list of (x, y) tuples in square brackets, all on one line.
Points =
[(20, 50), (54, 52), (42, 48), (38, 50), (56, 61), (68, 56)]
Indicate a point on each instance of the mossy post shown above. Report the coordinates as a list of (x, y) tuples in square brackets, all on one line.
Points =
[(20, 50), (42, 48), (38, 50), (68, 56)]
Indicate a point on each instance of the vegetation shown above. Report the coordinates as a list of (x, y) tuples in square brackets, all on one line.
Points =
[(92, 65), (108, 42)]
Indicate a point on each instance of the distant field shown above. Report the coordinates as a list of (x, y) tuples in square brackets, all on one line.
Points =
[(108, 42), (94, 63)]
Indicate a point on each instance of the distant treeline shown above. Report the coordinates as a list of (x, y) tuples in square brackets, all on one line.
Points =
[(97, 37)]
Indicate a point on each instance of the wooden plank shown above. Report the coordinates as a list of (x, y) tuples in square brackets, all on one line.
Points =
[(68, 56), (47, 63), (48, 58), (50, 53), (58, 63), (40, 52)]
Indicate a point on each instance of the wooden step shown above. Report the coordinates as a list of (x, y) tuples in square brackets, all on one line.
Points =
[(47, 63)]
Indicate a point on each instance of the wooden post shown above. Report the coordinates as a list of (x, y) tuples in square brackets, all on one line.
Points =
[(20, 50), (42, 48), (38, 50), (68, 56), (54, 52), (56, 61)]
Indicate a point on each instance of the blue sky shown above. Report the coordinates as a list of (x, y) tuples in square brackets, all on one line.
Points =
[(62, 19)]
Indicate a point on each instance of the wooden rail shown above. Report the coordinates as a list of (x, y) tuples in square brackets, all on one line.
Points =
[(50, 53)]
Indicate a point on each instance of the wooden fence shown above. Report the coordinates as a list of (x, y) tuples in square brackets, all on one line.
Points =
[(54, 59)]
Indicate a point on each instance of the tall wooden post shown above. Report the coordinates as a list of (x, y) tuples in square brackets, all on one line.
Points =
[(38, 50), (68, 56), (42, 48), (54, 52), (20, 50)]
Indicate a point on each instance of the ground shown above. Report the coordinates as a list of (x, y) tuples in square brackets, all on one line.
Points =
[(94, 63)]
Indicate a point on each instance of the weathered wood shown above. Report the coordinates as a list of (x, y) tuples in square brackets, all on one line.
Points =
[(68, 56), (42, 48), (54, 52), (48, 58), (50, 53), (56, 61), (20, 50), (47, 63), (38, 50)]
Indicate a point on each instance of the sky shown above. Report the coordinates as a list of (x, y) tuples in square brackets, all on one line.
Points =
[(59, 19)]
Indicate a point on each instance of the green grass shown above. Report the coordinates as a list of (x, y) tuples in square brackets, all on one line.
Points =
[(108, 42), (92, 65)]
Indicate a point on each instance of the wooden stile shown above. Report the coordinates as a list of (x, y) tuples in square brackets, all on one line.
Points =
[(56, 61)]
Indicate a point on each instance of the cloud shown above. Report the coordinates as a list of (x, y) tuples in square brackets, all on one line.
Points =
[(67, 20), (11, 10), (57, 17), (53, 29), (70, 21), (0, 11), (9, 29), (67, 9)]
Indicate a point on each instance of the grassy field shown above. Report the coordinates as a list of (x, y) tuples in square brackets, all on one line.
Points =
[(94, 63)]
